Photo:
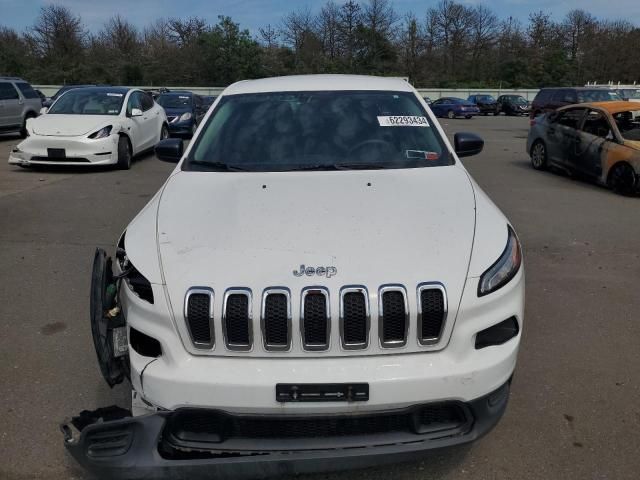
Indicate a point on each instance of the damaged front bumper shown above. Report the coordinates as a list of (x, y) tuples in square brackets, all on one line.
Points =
[(205, 443)]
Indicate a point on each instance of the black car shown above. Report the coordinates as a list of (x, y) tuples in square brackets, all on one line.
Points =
[(184, 111), (208, 100), (513, 105), (550, 99), (486, 103)]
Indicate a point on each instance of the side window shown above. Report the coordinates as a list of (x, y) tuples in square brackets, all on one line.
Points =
[(8, 92), (147, 101), (596, 124), (571, 118), (27, 90), (134, 102), (558, 96), (437, 102)]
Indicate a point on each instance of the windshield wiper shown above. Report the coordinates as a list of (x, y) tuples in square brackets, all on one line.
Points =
[(340, 166), (218, 166)]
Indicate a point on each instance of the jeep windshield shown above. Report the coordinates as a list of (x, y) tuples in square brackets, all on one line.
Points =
[(83, 101), (318, 130)]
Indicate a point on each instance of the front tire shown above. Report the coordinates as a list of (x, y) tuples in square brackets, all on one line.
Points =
[(23, 131), (539, 155), (451, 115), (164, 132), (124, 154), (622, 179)]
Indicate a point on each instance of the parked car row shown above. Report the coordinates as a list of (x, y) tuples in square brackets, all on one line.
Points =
[(481, 104)]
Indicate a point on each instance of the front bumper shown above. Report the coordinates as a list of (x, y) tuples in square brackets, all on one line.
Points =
[(34, 150), (143, 447), (181, 128)]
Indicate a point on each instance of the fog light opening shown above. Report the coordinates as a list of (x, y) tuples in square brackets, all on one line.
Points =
[(498, 334), (144, 344)]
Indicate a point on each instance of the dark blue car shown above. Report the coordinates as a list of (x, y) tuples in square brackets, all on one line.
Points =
[(184, 111), (452, 107)]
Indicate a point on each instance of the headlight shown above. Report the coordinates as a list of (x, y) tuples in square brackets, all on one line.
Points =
[(185, 116), (504, 269), (102, 133)]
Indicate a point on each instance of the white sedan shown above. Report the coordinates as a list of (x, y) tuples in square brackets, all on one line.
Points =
[(93, 126)]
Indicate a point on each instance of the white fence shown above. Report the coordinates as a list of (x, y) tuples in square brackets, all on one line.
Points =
[(432, 93)]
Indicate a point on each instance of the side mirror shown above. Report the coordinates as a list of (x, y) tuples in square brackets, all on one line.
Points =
[(169, 150), (136, 112), (467, 144), (43, 110)]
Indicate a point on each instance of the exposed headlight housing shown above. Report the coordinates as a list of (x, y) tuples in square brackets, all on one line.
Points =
[(185, 116), (504, 269), (104, 132)]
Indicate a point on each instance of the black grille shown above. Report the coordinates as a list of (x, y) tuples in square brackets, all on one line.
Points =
[(237, 319), (432, 314), (59, 159), (354, 310), (198, 308), (195, 425), (276, 322), (315, 320), (394, 317)]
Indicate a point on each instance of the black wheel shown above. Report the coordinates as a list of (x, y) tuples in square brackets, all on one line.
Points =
[(539, 155), (23, 130), (451, 115), (124, 154), (164, 132), (622, 179), (467, 117)]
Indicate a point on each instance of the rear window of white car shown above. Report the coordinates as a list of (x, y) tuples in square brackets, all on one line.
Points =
[(319, 130), (88, 102)]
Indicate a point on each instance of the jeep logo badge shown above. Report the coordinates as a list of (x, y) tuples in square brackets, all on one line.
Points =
[(320, 271)]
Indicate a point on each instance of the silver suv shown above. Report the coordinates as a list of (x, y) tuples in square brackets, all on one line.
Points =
[(18, 102)]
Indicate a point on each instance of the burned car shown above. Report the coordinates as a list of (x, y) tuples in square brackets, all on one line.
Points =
[(318, 285), (599, 141)]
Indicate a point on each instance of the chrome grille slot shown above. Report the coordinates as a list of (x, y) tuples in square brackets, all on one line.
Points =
[(198, 314), (393, 313), (315, 318), (354, 317), (432, 312), (236, 319), (276, 319)]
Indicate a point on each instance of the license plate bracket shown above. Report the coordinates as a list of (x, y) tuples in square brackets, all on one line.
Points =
[(322, 392), (56, 153)]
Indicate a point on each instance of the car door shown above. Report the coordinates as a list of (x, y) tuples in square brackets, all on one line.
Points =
[(152, 119), (137, 123), (436, 107), (562, 134), (591, 143), (10, 106)]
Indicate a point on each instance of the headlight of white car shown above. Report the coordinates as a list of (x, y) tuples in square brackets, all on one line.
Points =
[(102, 133), (504, 269), (185, 116)]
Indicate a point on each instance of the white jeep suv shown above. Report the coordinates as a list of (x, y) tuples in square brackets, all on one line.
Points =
[(319, 284)]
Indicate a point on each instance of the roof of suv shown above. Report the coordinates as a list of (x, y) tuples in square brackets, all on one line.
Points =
[(301, 83)]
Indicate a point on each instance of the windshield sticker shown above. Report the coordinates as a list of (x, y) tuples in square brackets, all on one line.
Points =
[(423, 155), (109, 94), (112, 111), (186, 98), (403, 121)]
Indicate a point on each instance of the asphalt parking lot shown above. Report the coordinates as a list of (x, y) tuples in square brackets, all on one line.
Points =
[(574, 411)]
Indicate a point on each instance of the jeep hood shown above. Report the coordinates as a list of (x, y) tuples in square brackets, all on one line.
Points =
[(61, 125), (239, 229)]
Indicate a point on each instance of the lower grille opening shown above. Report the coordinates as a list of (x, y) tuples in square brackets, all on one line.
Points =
[(199, 317), (394, 318), (59, 159), (199, 429), (237, 321), (276, 321), (315, 324)]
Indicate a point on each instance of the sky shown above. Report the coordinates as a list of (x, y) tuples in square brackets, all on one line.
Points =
[(253, 14)]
